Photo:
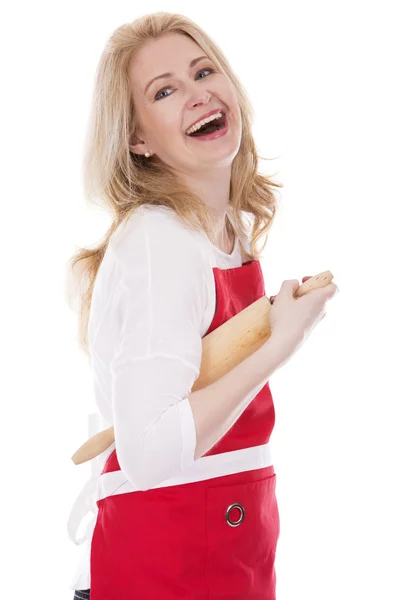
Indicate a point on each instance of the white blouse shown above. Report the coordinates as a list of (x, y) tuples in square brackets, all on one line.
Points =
[(153, 301)]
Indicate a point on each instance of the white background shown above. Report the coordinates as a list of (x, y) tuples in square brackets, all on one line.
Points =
[(319, 76)]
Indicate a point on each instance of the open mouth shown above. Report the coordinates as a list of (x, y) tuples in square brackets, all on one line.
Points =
[(210, 127)]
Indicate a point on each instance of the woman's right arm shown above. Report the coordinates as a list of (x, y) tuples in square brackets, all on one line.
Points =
[(216, 407)]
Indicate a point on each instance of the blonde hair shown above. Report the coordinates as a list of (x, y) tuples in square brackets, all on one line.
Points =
[(121, 180)]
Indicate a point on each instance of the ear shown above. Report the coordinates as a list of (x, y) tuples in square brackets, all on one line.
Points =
[(138, 148), (137, 145)]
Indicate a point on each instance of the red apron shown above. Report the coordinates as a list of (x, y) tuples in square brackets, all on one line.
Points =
[(201, 540)]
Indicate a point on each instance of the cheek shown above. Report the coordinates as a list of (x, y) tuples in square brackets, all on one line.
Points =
[(234, 99), (159, 121), (165, 124), (228, 95), (235, 107)]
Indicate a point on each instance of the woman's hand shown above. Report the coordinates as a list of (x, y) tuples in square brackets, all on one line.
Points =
[(303, 280), (293, 319)]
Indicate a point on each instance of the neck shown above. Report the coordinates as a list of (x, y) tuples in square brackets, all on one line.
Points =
[(214, 188)]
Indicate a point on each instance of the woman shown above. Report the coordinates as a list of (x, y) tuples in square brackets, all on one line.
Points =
[(186, 495)]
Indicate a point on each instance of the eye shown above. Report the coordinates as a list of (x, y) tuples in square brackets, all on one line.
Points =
[(157, 96), (202, 70)]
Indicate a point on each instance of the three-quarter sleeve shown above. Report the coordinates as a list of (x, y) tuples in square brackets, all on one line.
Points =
[(160, 304)]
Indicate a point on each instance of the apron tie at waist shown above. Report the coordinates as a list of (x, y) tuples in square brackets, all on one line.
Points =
[(206, 467), (86, 500), (81, 507), (85, 503)]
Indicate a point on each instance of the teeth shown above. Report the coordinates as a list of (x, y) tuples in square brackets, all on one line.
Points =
[(203, 122)]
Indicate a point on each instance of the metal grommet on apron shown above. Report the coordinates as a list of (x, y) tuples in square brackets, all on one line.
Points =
[(242, 514)]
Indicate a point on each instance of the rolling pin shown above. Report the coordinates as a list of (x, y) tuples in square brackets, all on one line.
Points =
[(222, 350)]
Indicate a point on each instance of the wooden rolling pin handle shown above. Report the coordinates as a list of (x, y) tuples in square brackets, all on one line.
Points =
[(94, 446), (318, 281)]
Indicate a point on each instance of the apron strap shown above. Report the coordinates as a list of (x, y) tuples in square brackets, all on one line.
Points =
[(86, 500)]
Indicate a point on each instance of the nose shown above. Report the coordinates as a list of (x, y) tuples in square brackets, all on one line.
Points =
[(199, 98)]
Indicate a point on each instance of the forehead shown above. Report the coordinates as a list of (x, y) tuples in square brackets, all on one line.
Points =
[(171, 53)]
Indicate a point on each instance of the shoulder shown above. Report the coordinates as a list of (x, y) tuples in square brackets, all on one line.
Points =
[(156, 233), (149, 219)]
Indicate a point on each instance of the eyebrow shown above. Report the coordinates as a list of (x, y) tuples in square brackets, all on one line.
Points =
[(164, 75)]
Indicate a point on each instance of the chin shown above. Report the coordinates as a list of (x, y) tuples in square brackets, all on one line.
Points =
[(223, 151)]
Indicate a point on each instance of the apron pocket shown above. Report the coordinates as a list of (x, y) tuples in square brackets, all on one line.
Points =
[(242, 529)]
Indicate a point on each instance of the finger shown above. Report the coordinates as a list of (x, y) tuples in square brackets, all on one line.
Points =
[(332, 289), (288, 287), (306, 277)]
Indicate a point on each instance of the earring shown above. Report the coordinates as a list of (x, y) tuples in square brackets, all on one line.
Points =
[(147, 154)]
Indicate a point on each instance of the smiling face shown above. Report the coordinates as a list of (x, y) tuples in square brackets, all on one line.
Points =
[(166, 107)]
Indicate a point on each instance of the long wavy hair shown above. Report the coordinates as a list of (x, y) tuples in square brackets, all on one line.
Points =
[(119, 180)]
